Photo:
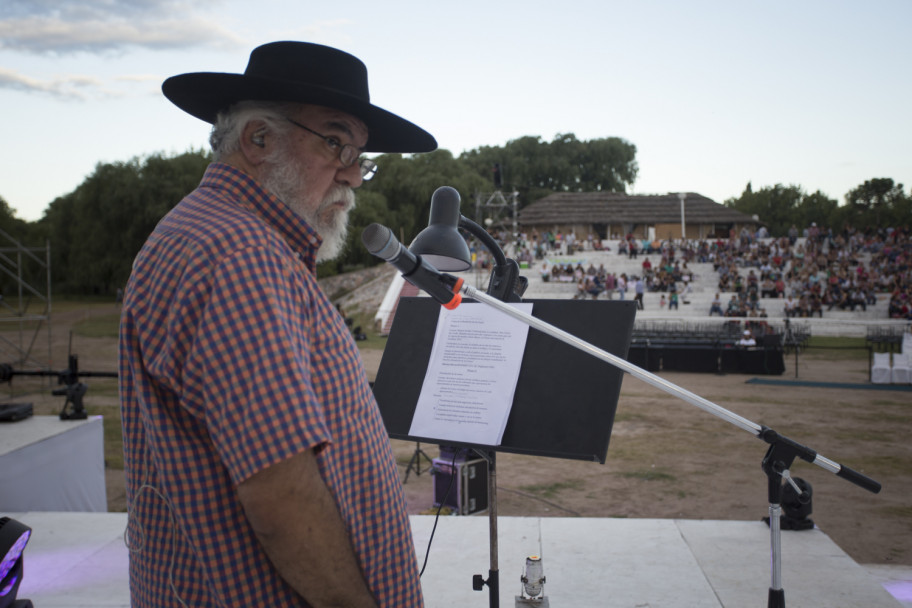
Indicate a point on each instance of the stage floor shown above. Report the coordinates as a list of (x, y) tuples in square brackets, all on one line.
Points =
[(79, 559)]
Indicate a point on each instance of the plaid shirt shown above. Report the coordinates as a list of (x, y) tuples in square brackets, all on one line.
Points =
[(231, 360)]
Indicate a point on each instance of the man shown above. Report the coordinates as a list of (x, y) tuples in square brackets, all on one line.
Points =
[(716, 306), (258, 469)]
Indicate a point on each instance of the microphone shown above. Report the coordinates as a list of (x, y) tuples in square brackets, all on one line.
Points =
[(443, 287)]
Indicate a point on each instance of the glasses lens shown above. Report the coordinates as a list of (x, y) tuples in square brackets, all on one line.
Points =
[(348, 155), (368, 169)]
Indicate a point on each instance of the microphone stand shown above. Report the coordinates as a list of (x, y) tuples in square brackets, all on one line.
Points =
[(779, 456), (74, 390), (505, 285)]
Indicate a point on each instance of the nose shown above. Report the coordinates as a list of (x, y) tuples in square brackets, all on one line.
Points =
[(350, 176)]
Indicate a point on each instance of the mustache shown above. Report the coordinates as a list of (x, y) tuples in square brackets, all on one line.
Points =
[(339, 194)]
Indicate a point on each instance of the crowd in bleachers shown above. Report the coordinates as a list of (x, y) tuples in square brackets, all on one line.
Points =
[(812, 271), (826, 270)]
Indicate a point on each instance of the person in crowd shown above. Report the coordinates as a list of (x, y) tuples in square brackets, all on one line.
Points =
[(258, 468), (610, 285), (747, 339), (716, 306), (621, 284)]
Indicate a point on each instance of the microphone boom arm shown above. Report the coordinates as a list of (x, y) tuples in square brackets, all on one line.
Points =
[(506, 284), (755, 429)]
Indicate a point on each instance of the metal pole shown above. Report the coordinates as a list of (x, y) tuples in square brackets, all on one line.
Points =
[(494, 569), (47, 254), (682, 196)]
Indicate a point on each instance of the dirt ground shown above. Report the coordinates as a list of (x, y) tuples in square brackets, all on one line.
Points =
[(666, 458)]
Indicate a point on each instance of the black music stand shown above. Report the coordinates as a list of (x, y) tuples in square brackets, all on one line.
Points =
[(565, 400)]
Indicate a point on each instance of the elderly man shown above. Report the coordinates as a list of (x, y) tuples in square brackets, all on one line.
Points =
[(259, 472)]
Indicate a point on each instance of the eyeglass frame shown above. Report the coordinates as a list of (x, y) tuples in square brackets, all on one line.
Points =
[(367, 166)]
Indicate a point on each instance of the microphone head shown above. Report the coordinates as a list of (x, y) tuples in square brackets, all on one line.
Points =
[(375, 237)]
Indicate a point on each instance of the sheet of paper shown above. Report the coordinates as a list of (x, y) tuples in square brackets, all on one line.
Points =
[(471, 378)]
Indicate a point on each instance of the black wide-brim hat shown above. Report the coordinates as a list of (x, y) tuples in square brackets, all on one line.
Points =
[(299, 72)]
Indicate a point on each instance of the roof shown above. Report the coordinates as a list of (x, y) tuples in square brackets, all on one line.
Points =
[(621, 208)]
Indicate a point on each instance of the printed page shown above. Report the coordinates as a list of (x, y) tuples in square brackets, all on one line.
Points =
[(471, 378)]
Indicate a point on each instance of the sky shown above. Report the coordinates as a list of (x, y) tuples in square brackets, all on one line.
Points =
[(713, 94)]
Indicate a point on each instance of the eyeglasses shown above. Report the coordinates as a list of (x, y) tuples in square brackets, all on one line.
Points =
[(347, 153)]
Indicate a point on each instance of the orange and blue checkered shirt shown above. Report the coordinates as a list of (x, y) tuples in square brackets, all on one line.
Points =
[(232, 359)]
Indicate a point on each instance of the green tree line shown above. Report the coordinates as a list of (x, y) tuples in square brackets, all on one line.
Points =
[(877, 203), (96, 231)]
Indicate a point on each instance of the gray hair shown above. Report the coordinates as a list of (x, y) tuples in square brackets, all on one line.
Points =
[(229, 125)]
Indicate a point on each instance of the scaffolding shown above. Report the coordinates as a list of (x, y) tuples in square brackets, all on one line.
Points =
[(29, 308), (497, 212)]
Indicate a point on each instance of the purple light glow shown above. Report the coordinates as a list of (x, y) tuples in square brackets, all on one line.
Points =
[(12, 583), (9, 560), (901, 590)]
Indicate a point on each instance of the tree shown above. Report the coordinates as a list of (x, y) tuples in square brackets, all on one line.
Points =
[(535, 168), (98, 229), (817, 207), (775, 206), (878, 202)]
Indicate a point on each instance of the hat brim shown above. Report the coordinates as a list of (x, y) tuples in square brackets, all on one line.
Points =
[(205, 94)]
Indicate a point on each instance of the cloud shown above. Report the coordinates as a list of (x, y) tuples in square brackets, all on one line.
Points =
[(140, 78), (103, 26), (81, 10), (70, 87)]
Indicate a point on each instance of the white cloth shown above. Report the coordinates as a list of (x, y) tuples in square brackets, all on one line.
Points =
[(901, 372), (48, 464), (880, 369)]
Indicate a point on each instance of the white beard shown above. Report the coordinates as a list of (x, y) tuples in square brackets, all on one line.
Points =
[(286, 181)]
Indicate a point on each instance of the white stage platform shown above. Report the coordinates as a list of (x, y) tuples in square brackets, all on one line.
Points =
[(49, 464), (79, 560)]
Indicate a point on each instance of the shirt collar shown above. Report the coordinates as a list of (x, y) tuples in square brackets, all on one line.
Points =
[(299, 235)]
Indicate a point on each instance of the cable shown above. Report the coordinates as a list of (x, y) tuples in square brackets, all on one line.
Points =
[(427, 552), (146, 486)]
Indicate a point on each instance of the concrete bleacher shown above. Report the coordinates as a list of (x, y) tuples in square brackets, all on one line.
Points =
[(703, 289)]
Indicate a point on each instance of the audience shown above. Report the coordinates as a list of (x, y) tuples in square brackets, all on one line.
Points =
[(826, 270)]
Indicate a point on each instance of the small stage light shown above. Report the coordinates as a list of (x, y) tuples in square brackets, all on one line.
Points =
[(13, 538)]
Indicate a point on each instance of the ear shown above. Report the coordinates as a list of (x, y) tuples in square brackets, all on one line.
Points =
[(254, 143)]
